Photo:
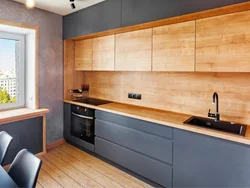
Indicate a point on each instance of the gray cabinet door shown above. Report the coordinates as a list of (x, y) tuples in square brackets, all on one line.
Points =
[(141, 11), (67, 120), (150, 145), (145, 126), (152, 169), (100, 17), (203, 161)]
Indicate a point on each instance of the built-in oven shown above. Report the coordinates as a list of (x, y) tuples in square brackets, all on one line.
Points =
[(83, 123)]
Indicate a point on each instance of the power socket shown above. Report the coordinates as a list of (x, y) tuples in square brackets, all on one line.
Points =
[(134, 96)]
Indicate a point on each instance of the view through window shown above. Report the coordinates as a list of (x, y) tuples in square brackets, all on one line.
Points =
[(11, 70), (8, 71)]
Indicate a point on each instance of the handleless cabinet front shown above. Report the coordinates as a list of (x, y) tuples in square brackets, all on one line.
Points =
[(222, 43), (134, 51), (104, 53), (84, 54), (174, 47)]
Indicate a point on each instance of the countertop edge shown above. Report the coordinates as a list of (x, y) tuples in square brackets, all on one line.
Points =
[(10, 116), (199, 130)]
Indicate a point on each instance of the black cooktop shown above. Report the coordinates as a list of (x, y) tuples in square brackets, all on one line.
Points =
[(93, 101)]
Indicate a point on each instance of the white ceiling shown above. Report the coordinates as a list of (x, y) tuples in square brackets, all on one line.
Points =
[(62, 7)]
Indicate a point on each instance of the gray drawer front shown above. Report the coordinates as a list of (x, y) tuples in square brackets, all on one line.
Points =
[(144, 166), (151, 145), (140, 125)]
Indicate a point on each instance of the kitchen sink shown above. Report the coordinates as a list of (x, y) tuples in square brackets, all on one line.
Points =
[(224, 126)]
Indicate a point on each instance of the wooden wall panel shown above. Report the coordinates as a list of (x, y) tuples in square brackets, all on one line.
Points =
[(189, 93), (223, 43), (134, 51), (104, 53), (72, 79), (174, 47), (84, 54)]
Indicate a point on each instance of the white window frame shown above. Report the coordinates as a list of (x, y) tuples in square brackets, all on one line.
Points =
[(20, 73)]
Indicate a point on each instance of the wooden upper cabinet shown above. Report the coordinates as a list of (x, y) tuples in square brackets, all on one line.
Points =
[(104, 53), (84, 54), (174, 47), (223, 43), (134, 51)]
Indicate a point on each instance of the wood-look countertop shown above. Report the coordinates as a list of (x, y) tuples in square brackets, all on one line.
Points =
[(20, 114), (166, 118)]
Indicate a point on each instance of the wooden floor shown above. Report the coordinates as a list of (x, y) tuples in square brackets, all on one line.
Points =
[(67, 166)]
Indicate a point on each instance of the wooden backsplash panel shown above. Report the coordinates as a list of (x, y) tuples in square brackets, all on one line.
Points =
[(189, 93)]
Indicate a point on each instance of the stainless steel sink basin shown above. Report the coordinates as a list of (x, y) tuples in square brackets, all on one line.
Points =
[(224, 126)]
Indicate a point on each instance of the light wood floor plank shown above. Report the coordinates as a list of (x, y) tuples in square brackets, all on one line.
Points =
[(38, 185), (93, 174), (91, 161), (58, 175), (71, 171), (114, 168), (47, 181)]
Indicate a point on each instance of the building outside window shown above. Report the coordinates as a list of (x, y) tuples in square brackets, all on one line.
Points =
[(12, 67)]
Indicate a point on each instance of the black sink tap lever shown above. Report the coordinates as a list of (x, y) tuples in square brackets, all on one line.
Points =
[(216, 115)]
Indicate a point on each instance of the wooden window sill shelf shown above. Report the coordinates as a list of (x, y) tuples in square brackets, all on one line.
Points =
[(20, 114)]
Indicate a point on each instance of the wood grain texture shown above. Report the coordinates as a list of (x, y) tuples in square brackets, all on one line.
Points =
[(174, 47), (84, 54), (223, 43), (134, 51), (72, 79), (44, 134), (67, 166), (10, 116), (178, 19), (56, 143), (104, 53), (188, 93)]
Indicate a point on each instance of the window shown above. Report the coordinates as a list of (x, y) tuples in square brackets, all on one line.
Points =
[(12, 67)]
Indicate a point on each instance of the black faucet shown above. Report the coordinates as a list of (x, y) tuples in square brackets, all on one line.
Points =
[(216, 115)]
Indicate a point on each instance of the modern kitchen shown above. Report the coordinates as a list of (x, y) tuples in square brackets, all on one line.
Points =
[(125, 93)]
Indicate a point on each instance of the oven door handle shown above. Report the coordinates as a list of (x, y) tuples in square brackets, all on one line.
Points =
[(81, 116)]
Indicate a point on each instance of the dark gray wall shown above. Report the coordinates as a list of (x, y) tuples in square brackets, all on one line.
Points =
[(113, 14), (26, 134), (50, 60)]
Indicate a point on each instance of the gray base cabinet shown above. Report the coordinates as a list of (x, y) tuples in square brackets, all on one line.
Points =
[(169, 157), (140, 146), (139, 163), (203, 161)]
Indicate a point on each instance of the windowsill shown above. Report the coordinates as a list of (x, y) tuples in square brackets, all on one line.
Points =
[(9, 116)]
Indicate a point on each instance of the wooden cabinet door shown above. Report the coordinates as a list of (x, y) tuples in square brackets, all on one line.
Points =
[(223, 43), (84, 54), (134, 51), (104, 53), (174, 47)]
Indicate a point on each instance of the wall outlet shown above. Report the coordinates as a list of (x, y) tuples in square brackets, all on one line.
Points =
[(134, 96)]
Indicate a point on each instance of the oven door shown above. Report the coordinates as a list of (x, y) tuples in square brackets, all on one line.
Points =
[(82, 127)]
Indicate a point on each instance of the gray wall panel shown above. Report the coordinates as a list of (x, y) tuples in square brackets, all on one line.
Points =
[(26, 134)]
